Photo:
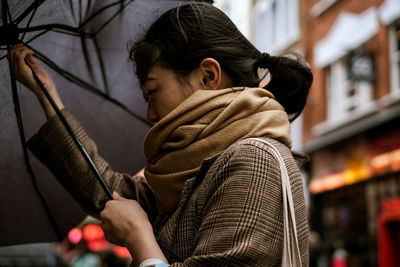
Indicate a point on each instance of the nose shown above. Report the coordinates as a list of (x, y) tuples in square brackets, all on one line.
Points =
[(151, 113)]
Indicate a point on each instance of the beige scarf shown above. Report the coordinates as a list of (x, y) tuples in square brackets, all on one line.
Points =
[(203, 125)]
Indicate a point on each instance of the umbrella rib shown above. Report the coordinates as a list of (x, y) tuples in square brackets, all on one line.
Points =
[(101, 10), (89, 3), (80, 11), (33, 6), (4, 11), (9, 14), (26, 157), (86, 56), (72, 78), (65, 32), (29, 22), (112, 17), (102, 68), (61, 27), (38, 35), (71, 6)]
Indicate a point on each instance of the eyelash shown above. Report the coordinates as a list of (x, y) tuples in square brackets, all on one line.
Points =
[(147, 95)]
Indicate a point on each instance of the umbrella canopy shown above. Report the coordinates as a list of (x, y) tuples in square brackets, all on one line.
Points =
[(83, 44)]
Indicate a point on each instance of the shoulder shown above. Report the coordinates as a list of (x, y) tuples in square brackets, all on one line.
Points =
[(252, 151), (258, 145), (250, 163), (250, 158)]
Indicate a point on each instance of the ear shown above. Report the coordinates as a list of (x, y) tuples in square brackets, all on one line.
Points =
[(210, 73)]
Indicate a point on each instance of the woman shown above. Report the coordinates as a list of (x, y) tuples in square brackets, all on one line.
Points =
[(210, 195)]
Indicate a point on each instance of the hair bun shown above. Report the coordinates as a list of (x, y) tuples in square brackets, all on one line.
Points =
[(290, 83), (266, 61)]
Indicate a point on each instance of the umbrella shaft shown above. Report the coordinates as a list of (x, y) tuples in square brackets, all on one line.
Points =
[(73, 136)]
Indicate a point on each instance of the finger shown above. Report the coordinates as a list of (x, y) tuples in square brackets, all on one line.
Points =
[(116, 195), (13, 48), (18, 59), (102, 216), (31, 60), (108, 205), (14, 63), (16, 51), (23, 53), (17, 46)]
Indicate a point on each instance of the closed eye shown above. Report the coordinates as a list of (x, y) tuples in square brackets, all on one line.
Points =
[(147, 94)]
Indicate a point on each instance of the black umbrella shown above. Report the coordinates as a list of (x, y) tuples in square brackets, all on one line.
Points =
[(83, 44)]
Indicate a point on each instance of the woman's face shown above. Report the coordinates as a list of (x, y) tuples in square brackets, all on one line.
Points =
[(164, 92)]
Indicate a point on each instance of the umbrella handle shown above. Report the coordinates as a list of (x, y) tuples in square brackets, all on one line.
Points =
[(72, 134)]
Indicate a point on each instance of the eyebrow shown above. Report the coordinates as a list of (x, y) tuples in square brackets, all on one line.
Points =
[(147, 80)]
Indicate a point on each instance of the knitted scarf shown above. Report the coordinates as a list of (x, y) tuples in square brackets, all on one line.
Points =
[(206, 123)]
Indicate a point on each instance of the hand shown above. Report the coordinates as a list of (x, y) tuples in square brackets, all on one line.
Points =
[(22, 73), (125, 223), (123, 219)]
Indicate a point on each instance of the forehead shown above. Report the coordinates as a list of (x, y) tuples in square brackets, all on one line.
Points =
[(158, 69), (158, 72)]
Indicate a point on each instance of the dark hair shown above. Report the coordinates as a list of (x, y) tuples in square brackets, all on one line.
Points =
[(182, 37)]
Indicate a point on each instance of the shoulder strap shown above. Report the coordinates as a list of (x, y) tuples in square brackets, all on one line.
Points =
[(291, 252)]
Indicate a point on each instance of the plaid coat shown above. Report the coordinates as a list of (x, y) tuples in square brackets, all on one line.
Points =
[(230, 214)]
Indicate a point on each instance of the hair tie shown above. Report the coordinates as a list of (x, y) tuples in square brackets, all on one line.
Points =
[(265, 56), (268, 61), (263, 61)]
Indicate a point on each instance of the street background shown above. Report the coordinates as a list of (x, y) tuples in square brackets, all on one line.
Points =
[(350, 129)]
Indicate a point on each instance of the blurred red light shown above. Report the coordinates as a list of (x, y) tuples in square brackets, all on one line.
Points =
[(93, 232), (98, 245), (122, 252), (75, 235)]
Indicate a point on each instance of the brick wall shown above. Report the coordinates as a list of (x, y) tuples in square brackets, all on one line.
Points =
[(314, 28)]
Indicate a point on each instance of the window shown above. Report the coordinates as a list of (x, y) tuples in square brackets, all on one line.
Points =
[(239, 12), (345, 96), (276, 24), (395, 58), (321, 6)]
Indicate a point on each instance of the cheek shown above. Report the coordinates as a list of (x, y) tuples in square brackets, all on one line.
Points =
[(169, 96), (163, 104)]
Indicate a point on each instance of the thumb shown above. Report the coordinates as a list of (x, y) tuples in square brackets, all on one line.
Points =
[(117, 196), (31, 59)]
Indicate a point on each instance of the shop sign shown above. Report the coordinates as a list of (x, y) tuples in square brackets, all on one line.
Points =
[(327, 183), (389, 161), (356, 161), (357, 170), (361, 67)]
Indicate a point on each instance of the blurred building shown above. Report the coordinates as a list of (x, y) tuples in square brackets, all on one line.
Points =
[(273, 26), (351, 128), (351, 125)]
